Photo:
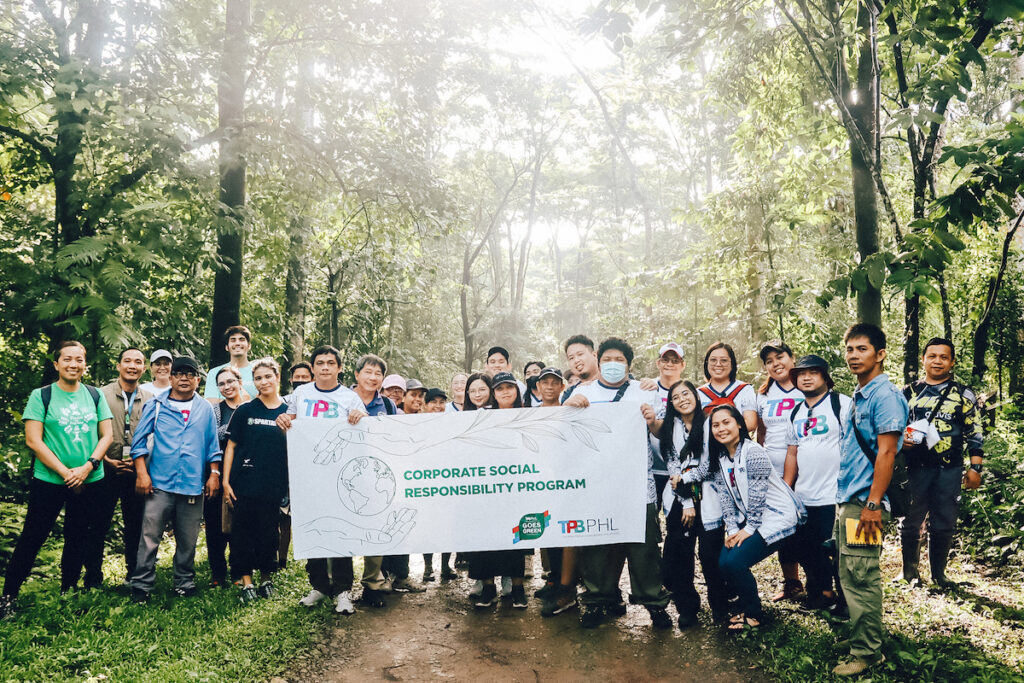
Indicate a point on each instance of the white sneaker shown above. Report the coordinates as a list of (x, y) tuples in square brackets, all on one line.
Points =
[(506, 587), (478, 589), (312, 599), (344, 604)]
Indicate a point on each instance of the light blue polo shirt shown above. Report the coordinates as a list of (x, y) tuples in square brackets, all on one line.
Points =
[(880, 409)]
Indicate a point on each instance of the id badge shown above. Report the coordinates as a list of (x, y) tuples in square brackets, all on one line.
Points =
[(126, 453)]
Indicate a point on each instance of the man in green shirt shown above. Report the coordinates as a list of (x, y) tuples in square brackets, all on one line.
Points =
[(67, 427)]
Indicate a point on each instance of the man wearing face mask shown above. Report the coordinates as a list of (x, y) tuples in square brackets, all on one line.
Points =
[(601, 566)]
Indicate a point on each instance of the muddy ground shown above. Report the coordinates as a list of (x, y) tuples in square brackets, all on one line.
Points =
[(439, 635)]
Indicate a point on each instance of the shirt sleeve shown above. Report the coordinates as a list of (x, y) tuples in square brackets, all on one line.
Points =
[(747, 399), (730, 515), (34, 407), (235, 430), (792, 438), (140, 437), (213, 452), (759, 470), (974, 434), (890, 412), (211, 390), (103, 410)]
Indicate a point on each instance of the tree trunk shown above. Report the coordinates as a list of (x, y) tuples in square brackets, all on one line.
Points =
[(295, 293), (227, 288), (981, 336)]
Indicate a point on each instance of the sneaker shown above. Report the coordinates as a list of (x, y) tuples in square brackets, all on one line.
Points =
[(448, 574), (857, 665), (387, 586), (687, 620), (312, 598), (428, 575), (6, 607), (140, 596), (344, 604), (518, 597), (248, 595), (488, 596), (659, 618), (617, 609), (506, 588), (266, 589), (374, 598), (406, 585), (478, 589), (550, 589), (186, 592), (562, 600), (591, 616), (216, 583)]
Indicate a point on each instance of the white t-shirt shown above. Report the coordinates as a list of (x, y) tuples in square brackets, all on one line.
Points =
[(745, 401), (156, 391), (450, 407), (818, 439), (774, 408), (596, 392), (308, 402), (183, 407), (659, 411)]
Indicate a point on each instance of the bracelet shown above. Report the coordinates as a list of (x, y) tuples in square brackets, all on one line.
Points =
[(213, 472)]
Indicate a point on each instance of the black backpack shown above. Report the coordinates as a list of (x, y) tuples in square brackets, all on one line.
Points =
[(46, 394)]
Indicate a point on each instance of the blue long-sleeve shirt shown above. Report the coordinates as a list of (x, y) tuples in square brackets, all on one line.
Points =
[(180, 451)]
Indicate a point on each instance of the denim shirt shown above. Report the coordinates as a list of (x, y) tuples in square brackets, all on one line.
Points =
[(180, 452), (880, 409)]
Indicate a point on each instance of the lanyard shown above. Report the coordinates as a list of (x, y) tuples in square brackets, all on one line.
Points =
[(129, 402)]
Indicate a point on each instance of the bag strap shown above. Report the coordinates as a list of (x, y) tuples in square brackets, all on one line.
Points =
[(621, 392), (389, 407), (837, 408), (861, 441), (46, 394)]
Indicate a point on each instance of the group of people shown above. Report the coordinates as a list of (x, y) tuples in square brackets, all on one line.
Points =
[(792, 468)]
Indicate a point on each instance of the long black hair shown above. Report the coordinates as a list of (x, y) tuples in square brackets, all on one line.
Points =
[(695, 440), (519, 396), (531, 386), (468, 404), (715, 449), (732, 359)]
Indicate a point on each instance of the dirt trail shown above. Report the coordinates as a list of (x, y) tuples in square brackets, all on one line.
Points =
[(438, 635)]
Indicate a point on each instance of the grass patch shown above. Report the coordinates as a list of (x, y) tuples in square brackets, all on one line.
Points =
[(101, 635)]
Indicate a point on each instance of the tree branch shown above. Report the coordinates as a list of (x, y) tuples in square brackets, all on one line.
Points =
[(38, 145)]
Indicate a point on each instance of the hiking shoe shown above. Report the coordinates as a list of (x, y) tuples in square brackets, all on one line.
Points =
[(312, 598), (448, 574), (478, 588), (248, 595), (792, 589), (387, 586), (550, 589), (266, 589), (591, 616), (506, 588), (659, 618), (344, 604), (687, 620), (428, 575), (518, 597), (6, 607), (406, 585), (561, 601), (488, 596), (186, 592), (857, 665), (374, 598), (140, 596)]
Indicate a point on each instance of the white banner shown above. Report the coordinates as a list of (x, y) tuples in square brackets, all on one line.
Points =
[(479, 480)]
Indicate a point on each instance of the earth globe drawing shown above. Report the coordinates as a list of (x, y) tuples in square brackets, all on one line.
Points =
[(366, 486)]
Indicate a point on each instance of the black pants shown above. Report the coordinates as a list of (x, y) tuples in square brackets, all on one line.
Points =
[(711, 544), (216, 539), (396, 567), (254, 536), (113, 488), (45, 501), (330, 576), (491, 563), (808, 544), (679, 558)]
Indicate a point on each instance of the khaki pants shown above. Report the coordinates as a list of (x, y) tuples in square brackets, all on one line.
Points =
[(601, 568), (861, 579)]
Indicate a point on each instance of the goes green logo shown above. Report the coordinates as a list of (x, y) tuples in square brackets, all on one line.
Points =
[(531, 526)]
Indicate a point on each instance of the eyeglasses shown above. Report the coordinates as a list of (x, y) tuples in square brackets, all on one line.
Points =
[(227, 382), (719, 361), (671, 361), (185, 373)]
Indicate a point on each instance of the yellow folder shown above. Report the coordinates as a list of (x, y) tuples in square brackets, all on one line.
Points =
[(852, 539)]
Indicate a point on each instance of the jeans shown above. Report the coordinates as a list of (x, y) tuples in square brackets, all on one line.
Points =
[(45, 501), (186, 515), (113, 488), (735, 564)]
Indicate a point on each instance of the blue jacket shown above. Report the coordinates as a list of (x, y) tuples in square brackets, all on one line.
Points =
[(180, 453)]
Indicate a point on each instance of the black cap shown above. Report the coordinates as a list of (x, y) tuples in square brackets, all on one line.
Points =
[(812, 362), (433, 394), (550, 372), (503, 378), (184, 363), (775, 345)]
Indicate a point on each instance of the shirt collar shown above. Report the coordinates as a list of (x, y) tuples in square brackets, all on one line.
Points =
[(866, 391)]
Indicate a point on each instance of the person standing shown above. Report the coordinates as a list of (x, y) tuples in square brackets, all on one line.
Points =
[(298, 374), (325, 398), (458, 392), (498, 360), (160, 371), (436, 401), (582, 360), (216, 511), (478, 396), (237, 342), (255, 481), (943, 423), (812, 471), (670, 364), (170, 474), (872, 435), (67, 428), (601, 566), (125, 399)]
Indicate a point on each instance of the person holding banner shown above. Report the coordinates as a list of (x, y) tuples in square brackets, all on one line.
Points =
[(758, 508), (602, 565)]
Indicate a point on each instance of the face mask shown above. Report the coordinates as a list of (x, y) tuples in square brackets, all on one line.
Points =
[(613, 372)]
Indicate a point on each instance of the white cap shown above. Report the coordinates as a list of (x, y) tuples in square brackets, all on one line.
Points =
[(160, 353), (671, 346)]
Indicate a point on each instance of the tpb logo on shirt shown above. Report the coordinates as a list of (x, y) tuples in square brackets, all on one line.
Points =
[(321, 408), (813, 425), (531, 526), (777, 407)]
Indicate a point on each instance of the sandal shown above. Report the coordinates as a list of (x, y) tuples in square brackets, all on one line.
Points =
[(740, 623), (792, 589)]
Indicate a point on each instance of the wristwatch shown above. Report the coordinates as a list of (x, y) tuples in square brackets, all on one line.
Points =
[(976, 466), (872, 505), (95, 463)]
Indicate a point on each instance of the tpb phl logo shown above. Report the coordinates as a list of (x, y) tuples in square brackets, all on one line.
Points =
[(587, 526), (531, 526)]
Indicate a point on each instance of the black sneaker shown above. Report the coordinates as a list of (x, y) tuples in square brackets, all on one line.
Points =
[(518, 597), (448, 574), (248, 595), (549, 590), (6, 607), (659, 618), (185, 592), (140, 596), (687, 620), (266, 589), (373, 598), (617, 609), (488, 596), (561, 601), (591, 616)]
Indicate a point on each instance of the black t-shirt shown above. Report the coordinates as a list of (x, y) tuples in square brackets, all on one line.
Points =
[(260, 466)]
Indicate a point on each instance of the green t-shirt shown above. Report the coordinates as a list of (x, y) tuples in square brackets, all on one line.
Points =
[(70, 429)]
